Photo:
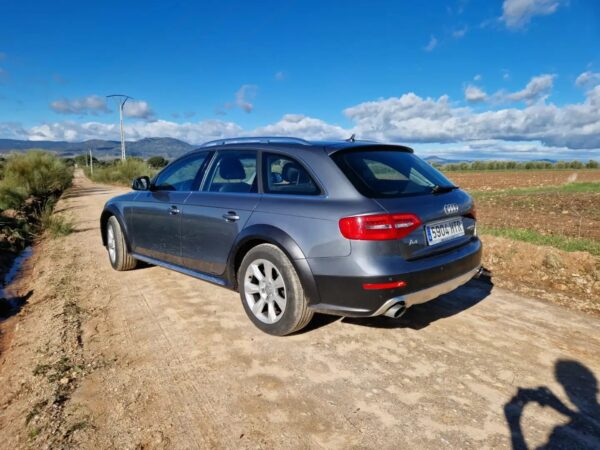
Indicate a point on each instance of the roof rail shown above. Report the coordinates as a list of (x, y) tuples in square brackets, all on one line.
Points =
[(261, 139)]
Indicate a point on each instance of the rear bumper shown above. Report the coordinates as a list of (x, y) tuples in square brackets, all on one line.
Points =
[(430, 279), (424, 295)]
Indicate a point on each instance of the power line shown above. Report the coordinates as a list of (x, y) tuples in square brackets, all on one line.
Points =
[(121, 100)]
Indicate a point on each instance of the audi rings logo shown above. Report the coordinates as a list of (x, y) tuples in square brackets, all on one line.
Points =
[(450, 208)]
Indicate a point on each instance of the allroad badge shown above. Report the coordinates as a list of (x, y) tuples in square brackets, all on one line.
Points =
[(450, 208)]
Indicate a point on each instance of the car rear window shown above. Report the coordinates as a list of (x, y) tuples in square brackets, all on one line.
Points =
[(389, 173)]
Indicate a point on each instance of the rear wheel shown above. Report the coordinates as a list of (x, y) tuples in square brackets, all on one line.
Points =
[(119, 256), (271, 291)]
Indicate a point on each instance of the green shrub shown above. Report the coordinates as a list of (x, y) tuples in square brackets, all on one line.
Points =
[(11, 196), (121, 172), (515, 165), (36, 173), (56, 225), (591, 164), (157, 162)]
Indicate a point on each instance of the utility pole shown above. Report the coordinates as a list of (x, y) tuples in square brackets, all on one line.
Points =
[(121, 100), (91, 163)]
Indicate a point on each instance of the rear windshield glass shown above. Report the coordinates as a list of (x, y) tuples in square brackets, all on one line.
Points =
[(389, 173)]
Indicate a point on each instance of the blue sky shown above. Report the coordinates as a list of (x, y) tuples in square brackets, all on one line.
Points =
[(513, 78)]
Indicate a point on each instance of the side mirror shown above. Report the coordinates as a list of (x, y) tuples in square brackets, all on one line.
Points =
[(141, 184)]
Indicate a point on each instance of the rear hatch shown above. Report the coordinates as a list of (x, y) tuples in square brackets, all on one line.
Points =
[(430, 215)]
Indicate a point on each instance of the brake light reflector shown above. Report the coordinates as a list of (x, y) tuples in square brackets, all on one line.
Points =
[(379, 227), (392, 285)]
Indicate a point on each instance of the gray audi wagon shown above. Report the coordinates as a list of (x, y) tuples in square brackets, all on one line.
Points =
[(351, 228)]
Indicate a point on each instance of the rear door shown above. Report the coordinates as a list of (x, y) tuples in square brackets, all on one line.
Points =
[(216, 213), (156, 214)]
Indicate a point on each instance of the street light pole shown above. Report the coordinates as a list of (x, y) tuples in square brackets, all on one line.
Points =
[(121, 99)]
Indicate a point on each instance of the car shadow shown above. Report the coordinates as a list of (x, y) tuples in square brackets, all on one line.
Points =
[(319, 320), (420, 316)]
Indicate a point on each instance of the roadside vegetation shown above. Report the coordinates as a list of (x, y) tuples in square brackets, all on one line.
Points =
[(30, 185), (567, 244), (120, 172), (515, 165), (563, 188)]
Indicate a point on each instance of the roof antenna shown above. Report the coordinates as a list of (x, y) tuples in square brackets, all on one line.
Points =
[(351, 138)]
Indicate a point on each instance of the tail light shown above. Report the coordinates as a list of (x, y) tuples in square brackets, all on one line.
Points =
[(379, 227), (391, 285), (472, 213)]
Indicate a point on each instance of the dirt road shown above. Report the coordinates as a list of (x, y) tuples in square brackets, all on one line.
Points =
[(155, 359)]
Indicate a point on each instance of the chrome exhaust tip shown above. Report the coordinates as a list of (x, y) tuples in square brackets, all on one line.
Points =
[(396, 311), (483, 272)]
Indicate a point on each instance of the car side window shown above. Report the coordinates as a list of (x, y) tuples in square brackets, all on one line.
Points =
[(232, 171), (284, 175), (180, 176)]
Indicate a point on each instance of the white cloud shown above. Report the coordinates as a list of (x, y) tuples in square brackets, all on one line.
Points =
[(12, 130), (433, 42), (477, 77), (518, 13), (75, 131), (474, 94), (280, 76), (537, 89), (139, 109), (408, 118), (460, 33), (300, 125), (588, 79), (92, 104), (244, 97)]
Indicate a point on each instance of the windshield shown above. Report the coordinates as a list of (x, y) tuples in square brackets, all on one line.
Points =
[(390, 173)]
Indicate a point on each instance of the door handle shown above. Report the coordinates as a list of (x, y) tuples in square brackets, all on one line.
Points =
[(174, 210), (231, 216)]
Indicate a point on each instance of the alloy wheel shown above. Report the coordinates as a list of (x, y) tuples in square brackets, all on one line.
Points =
[(264, 290)]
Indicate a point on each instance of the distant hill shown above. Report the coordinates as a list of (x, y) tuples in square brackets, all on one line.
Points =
[(441, 161), (168, 147), (438, 160)]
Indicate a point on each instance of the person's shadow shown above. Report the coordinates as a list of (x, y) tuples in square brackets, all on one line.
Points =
[(583, 429)]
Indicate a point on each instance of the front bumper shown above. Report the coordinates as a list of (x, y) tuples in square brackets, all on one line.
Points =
[(346, 296)]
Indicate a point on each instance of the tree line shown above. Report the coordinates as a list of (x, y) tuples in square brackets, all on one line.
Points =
[(515, 165)]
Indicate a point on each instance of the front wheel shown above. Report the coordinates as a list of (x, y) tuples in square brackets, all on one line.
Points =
[(271, 291), (119, 256)]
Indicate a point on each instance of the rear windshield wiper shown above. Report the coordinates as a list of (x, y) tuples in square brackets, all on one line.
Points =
[(437, 189)]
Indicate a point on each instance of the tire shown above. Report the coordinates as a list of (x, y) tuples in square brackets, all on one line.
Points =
[(118, 255), (278, 300)]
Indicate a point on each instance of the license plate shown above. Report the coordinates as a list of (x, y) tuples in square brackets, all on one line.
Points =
[(444, 231)]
